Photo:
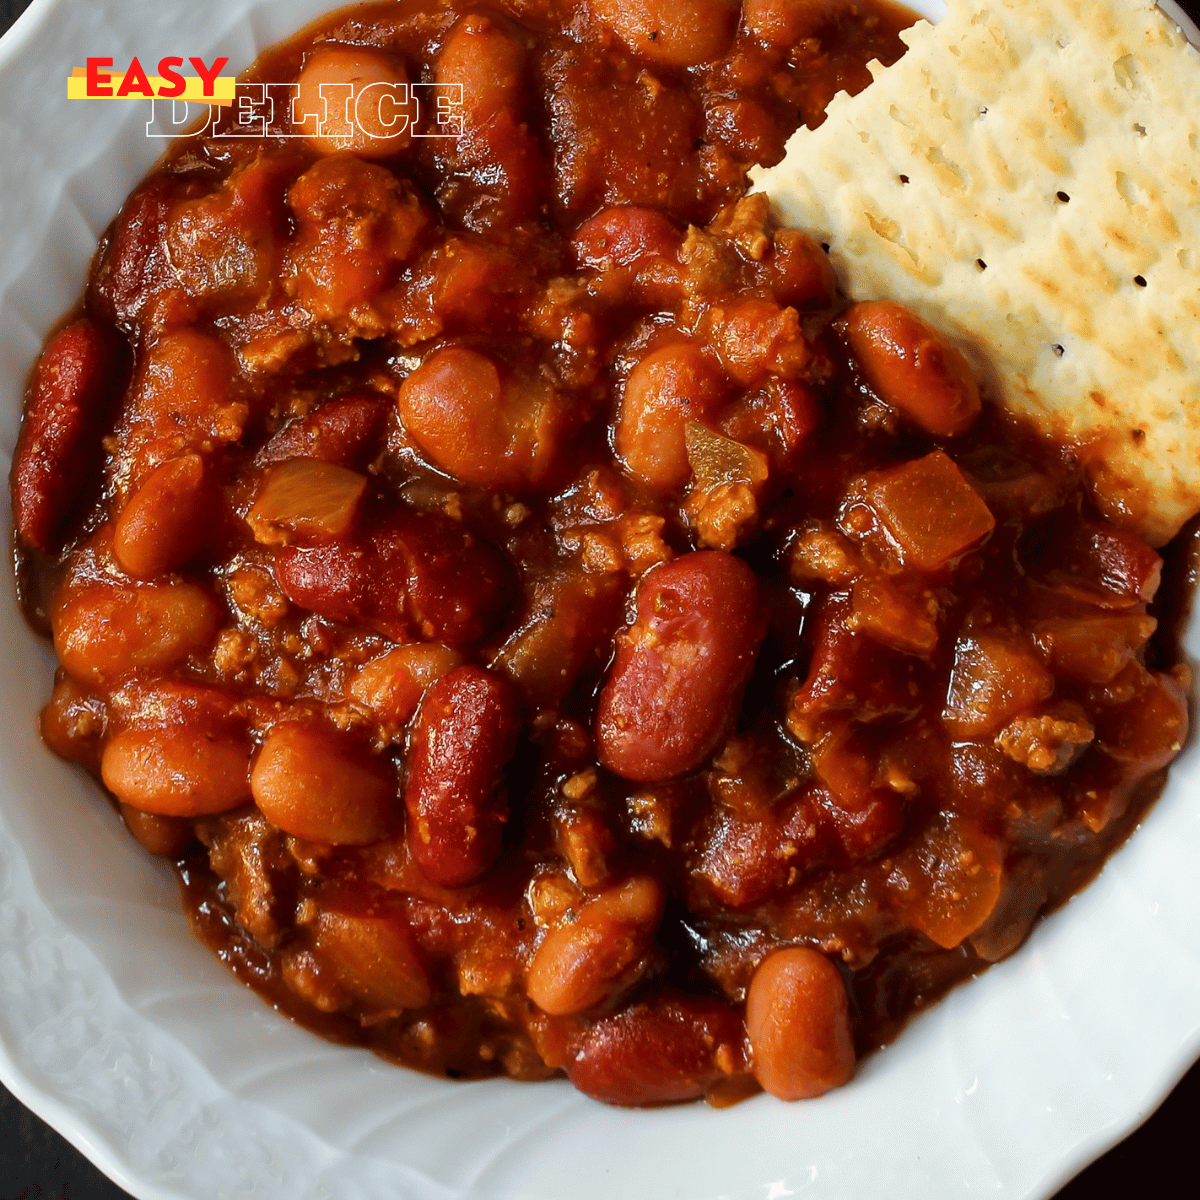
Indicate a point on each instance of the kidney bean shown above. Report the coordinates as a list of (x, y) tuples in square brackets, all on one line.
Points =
[(667, 1049), (135, 272), (1147, 726), (104, 631), (177, 771), (798, 1022), (365, 107), (584, 961), (317, 785), (448, 584), (800, 272), (465, 732), (912, 367), (666, 389), (166, 521), (670, 33), (408, 574), (487, 427), (56, 448), (372, 954), (679, 670), (344, 431), (332, 580), (1094, 562)]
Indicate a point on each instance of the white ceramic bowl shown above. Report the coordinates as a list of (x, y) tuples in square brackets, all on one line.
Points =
[(123, 1032)]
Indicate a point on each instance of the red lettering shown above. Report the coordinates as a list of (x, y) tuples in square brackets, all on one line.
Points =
[(208, 74), (135, 81), (94, 75), (166, 69)]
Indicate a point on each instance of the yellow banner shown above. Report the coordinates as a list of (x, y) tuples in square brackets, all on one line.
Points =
[(224, 87)]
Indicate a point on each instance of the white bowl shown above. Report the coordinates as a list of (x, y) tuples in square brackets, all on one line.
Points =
[(121, 1030)]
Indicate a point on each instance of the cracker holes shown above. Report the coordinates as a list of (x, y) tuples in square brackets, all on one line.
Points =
[(980, 265), (1138, 435), (1062, 197), (1139, 129), (1140, 280), (1059, 351), (903, 178), (825, 247)]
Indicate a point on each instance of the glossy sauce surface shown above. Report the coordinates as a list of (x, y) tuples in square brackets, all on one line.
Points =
[(548, 628)]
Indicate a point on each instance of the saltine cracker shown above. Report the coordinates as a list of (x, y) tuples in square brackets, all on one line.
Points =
[(1027, 179)]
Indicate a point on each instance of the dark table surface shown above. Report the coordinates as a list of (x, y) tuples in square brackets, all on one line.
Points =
[(37, 1164)]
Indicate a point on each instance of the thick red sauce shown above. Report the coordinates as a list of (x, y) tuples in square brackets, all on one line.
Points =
[(548, 629)]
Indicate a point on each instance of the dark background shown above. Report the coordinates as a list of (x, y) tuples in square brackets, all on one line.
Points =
[(37, 1164)]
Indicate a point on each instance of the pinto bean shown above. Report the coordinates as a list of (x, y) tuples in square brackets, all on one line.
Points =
[(798, 1021), (495, 167), (177, 771), (104, 631), (666, 389), (356, 225), (670, 33), (391, 687), (53, 458), (373, 955), (912, 367), (493, 428), (664, 1050), (168, 837), (364, 105), (625, 237), (465, 732), (486, 62), (680, 669), (582, 962), (320, 786), (782, 24), (165, 522)]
